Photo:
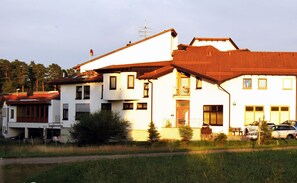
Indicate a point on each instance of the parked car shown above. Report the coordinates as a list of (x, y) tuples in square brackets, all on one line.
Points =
[(283, 131), (20, 136), (252, 135), (251, 127), (255, 125), (290, 122), (270, 125)]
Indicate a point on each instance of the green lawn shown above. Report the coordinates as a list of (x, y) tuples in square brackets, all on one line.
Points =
[(19, 150), (257, 166)]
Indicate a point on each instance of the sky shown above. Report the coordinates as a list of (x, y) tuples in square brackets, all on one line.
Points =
[(63, 31)]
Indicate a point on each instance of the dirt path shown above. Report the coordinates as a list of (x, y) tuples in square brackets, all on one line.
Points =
[(68, 159)]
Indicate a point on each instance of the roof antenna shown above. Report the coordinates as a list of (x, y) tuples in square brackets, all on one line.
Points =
[(145, 30)]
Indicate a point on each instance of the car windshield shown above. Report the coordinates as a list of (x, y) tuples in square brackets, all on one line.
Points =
[(255, 123)]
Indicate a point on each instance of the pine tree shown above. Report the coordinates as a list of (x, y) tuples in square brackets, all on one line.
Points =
[(154, 135)]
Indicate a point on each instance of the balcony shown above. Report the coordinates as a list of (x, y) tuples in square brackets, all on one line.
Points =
[(181, 91)]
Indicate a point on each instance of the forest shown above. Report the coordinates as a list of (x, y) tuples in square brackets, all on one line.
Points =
[(18, 76)]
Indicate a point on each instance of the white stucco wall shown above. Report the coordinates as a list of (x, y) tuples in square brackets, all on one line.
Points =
[(164, 105), (274, 95), (68, 95), (54, 112), (122, 92), (220, 45), (210, 94), (155, 49)]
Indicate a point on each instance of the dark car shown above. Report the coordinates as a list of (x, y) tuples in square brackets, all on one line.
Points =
[(290, 122)]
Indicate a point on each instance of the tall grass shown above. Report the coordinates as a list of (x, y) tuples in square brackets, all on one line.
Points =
[(257, 166), (8, 150)]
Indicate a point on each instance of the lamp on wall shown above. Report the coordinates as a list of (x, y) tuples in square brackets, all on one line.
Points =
[(234, 103)]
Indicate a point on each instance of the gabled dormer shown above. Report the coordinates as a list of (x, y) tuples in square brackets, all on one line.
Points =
[(222, 44)]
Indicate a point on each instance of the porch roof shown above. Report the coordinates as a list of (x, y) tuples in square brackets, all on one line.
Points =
[(34, 98)]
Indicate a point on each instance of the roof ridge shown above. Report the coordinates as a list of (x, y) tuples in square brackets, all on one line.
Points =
[(174, 33)]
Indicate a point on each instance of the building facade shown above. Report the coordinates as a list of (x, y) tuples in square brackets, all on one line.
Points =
[(31, 115), (209, 81)]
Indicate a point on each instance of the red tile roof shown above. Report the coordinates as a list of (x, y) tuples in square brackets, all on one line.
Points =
[(135, 65), (85, 77), (35, 98), (149, 70), (157, 73), (220, 66), (173, 33)]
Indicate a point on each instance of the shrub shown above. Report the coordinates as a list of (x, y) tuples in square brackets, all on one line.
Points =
[(221, 138), (186, 133), (265, 137), (99, 128), (154, 135)]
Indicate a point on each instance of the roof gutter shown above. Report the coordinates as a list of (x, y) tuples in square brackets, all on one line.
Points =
[(229, 95), (152, 92)]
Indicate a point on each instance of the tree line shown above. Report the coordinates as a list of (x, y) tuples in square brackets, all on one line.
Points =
[(18, 76)]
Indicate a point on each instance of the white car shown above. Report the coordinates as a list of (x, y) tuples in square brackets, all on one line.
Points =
[(283, 131), (254, 126), (251, 127), (252, 135)]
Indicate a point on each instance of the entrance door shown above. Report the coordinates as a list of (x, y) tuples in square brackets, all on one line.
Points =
[(182, 112)]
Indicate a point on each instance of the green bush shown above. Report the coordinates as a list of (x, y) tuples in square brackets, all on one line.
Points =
[(221, 138), (186, 133), (99, 128), (154, 135), (265, 137)]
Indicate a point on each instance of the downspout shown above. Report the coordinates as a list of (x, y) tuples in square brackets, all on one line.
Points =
[(152, 92), (220, 87), (295, 98)]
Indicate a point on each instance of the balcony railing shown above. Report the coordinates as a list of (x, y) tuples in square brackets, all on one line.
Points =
[(182, 91)]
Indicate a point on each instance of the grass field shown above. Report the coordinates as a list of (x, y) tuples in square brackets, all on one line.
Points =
[(11, 150), (257, 166), (192, 168)]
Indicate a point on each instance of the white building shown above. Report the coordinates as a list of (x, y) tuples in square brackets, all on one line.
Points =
[(31, 116), (208, 81)]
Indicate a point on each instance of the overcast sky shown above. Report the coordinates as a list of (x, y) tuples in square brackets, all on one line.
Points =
[(63, 31)]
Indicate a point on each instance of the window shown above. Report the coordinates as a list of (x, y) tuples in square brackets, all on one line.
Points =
[(213, 115), (65, 112), (198, 83), (106, 106), (262, 83), (130, 82), (102, 92), (11, 113), (253, 113), (81, 109), (32, 113), (287, 84), (86, 92), (128, 106), (78, 92), (142, 106), (146, 90), (279, 114), (247, 83), (112, 82)]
